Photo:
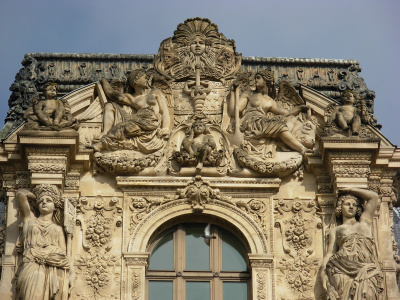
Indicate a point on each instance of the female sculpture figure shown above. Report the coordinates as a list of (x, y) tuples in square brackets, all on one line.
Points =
[(349, 269), (142, 130), (42, 274), (254, 106)]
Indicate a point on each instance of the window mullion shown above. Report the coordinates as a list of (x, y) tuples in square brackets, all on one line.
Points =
[(216, 264), (179, 263)]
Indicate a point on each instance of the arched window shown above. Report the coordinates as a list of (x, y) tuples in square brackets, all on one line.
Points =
[(184, 265)]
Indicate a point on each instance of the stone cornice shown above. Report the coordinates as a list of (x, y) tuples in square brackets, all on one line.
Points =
[(150, 57)]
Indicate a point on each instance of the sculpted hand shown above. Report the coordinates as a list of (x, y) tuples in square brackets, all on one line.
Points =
[(345, 190), (71, 280), (163, 132), (305, 108), (324, 283), (28, 194)]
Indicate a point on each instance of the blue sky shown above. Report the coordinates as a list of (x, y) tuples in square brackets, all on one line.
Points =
[(365, 30)]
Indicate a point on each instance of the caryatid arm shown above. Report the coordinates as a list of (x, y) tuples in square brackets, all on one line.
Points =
[(370, 202)]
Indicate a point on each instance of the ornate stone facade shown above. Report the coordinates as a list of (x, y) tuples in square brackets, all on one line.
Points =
[(284, 154)]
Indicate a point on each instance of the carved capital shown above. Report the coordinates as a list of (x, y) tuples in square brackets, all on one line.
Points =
[(132, 259), (72, 181), (261, 261)]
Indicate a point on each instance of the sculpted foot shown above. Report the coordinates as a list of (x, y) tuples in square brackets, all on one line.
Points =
[(199, 166), (96, 147)]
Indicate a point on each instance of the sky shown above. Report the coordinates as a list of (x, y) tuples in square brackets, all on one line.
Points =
[(365, 30)]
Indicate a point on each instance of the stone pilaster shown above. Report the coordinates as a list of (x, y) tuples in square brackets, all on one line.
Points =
[(261, 276), (135, 265)]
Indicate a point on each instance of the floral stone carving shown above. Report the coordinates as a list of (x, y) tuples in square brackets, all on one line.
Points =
[(258, 210), (140, 207), (298, 223), (98, 222), (98, 271)]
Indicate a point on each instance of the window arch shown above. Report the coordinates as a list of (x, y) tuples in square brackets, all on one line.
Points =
[(186, 265)]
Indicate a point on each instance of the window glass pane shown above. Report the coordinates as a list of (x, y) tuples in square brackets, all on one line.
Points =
[(232, 255), (197, 290), (162, 257), (234, 290), (160, 290), (197, 251)]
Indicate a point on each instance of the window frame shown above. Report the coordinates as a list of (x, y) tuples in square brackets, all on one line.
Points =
[(216, 276)]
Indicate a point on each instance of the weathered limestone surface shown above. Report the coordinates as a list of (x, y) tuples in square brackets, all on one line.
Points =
[(284, 153)]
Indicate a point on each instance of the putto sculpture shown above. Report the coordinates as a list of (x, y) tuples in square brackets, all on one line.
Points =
[(347, 116), (49, 113), (199, 148)]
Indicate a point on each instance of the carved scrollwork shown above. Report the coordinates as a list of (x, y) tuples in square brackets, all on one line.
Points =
[(257, 209), (136, 284), (47, 164), (198, 193), (3, 218), (261, 285), (141, 206)]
